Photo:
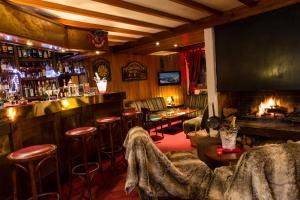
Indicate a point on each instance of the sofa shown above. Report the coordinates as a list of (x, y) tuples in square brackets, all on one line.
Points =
[(154, 104)]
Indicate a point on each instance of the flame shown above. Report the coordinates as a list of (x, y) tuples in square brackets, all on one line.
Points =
[(267, 103)]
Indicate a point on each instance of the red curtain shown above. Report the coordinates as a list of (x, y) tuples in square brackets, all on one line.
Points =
[(192, 66)]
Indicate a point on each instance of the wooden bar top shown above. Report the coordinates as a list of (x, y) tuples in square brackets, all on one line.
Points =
[(37, 109)]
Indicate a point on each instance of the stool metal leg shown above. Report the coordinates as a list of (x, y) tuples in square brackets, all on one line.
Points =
[(14, 180), (111, 146), (32, 180)]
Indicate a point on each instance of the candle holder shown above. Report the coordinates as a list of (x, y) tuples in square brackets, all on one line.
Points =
[(219, 151)]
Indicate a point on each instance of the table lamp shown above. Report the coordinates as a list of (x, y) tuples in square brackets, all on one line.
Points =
[(170, 100)]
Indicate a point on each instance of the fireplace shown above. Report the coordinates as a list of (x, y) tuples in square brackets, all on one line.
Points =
[(266, 114), (277, 106)]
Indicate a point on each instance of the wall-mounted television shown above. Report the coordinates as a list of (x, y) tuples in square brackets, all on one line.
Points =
[(169, 78)]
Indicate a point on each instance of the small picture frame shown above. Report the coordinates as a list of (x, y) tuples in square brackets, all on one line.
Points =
[(134, 71)]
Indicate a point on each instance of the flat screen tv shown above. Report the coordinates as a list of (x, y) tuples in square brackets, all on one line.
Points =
[(169, 78)]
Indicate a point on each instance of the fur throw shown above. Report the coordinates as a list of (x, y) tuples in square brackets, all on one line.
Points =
[(179, 174), (266, 173)]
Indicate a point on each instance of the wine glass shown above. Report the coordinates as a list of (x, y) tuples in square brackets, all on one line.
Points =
[(49, 92), (56, 92)]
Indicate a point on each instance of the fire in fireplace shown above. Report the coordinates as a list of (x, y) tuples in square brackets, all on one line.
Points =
[(271, 107)]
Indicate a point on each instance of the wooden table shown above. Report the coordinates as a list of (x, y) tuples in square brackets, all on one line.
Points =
[(173, 115), (225, 158)]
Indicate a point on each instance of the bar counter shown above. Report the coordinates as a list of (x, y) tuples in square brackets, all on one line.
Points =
[(46, 122)]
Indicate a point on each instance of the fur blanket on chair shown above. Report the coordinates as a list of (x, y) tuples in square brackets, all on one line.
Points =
[(179, 174), (266, 173)]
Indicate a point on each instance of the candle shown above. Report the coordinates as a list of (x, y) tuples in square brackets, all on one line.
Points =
[(219, 151)]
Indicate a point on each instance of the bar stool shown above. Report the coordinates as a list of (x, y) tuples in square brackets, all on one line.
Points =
[(109, 123), (30, 159), (130, 119), (84, 169)]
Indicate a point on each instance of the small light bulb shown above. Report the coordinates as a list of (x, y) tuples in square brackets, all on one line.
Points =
[(63, 50), (97, 52), (157, 43), (29, 43), (175, 45)]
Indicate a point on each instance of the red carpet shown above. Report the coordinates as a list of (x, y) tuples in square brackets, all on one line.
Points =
[(110, 185)]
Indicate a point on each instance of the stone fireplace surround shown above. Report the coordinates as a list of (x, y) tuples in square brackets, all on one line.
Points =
[(263, 127)]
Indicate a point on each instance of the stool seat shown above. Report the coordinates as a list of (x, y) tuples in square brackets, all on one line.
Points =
[(81, 131), (130, 113), (32, 152), (108, 119)]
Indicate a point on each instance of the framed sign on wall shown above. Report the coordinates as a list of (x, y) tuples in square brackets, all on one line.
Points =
[(102, 67), (134, 71)]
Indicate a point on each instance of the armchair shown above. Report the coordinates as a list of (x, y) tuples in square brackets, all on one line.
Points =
[(158, 175)]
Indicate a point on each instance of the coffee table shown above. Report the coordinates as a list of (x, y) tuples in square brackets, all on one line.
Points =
[(175, 114), (225, 158)]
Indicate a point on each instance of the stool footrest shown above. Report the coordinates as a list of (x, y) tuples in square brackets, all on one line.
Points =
[(47, 196), (80, 170), (108, 150)]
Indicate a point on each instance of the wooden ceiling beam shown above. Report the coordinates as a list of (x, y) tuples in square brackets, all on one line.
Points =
[(249, 3), (102, 27), (211, 21), (88, 13), (117, 37), (197, 6), (145, 10), (115, 42)]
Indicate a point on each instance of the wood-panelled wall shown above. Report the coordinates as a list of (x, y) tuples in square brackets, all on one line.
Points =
[(145, 88)]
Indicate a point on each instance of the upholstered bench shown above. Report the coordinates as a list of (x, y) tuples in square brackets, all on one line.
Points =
[(154, 104)]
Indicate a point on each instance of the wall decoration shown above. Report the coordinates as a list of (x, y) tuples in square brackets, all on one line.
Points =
[(102, 67), (134, 71), (98, 39)]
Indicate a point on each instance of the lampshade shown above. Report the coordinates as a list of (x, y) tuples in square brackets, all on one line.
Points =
[(170, 100)]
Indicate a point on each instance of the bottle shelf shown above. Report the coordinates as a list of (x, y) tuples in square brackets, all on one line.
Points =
[(7, 73), (70, 74), (6, 55), (35, 59), (38, 79), (35, 97)]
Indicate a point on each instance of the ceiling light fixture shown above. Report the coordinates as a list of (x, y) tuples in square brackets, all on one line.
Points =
[(157, 43)]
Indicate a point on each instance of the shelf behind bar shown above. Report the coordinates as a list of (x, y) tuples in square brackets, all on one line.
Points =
[(35, 59)]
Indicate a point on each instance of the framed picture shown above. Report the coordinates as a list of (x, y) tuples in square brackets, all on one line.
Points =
[(134, 71), (102, 66)]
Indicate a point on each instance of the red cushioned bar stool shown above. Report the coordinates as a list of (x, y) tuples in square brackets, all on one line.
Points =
[(84, 135), (30, 159), (110, 124), (130, 119)]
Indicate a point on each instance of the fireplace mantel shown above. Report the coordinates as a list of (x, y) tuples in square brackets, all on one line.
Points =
[(270, 129)]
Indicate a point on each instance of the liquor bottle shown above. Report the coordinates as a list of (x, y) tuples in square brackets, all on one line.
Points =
[(29, 53), (59, 66), (67, 69), (49, 54), (40, 89), (31, 91), (45, 54), (40, 53), (3, 65), (24, 53), (19, 52), (10, 49), (43, 71), (4, 48), (26, 90), (34, 53)]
